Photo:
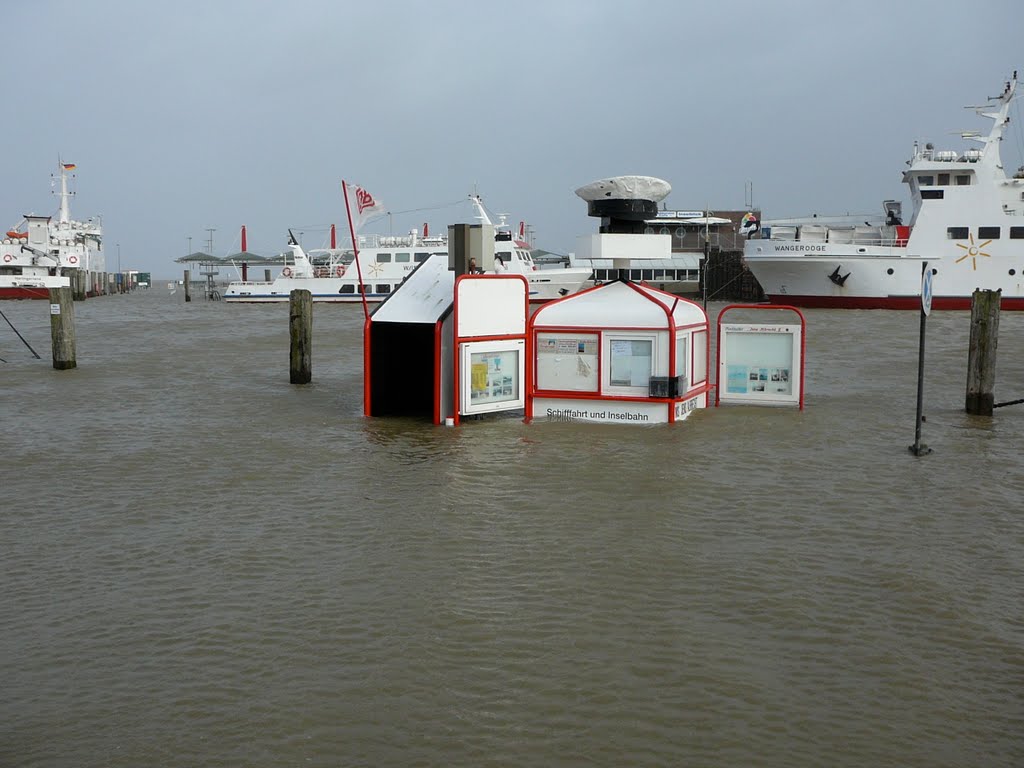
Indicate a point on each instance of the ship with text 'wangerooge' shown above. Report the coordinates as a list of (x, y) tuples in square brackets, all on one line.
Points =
[(967, 223)]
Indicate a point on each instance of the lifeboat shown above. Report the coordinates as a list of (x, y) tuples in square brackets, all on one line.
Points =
[(16, 235)]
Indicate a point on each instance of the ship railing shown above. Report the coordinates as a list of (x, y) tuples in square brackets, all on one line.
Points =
[(885, 236), (400, 241)]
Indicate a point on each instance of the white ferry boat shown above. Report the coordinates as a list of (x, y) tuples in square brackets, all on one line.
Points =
[(331, 275), (967, 223), (38, 253)]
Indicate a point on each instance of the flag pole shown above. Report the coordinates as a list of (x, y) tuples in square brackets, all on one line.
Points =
[(355, 250)]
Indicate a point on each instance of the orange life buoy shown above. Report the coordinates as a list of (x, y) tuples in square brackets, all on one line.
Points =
[(340, 270), (8, 257), (286, 272), (73, 259)]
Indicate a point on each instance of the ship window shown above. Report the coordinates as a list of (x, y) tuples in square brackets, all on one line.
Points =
[(648, 230), (925, 181), (362, 288), (348, 288), (402, 257), (943, 179), (659, 274), (1017, 233), (1013, 272), (383, 258), (663, 231), (988, 233), (397, 286), (636, 274), (384, 287), (419, 258), (647, 274), (931, 194), (963, 179), (956, 233)]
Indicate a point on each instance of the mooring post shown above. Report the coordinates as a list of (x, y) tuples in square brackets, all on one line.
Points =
[(981, 356), (188, 292), (300, 328), (62, 328)]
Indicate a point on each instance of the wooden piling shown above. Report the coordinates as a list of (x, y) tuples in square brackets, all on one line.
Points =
[(300, 328), (981, 356), (62, 328), (188, 292)]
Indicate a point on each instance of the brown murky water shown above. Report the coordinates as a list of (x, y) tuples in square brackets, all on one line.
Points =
[(205, 565)]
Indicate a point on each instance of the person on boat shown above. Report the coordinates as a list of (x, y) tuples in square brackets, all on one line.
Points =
[(749, 225), (499, 265), (893, 220), (473, 268)]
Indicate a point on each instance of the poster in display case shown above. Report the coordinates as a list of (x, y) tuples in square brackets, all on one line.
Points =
[(493, 376)]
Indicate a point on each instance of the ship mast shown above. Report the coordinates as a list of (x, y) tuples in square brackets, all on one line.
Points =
[(64, 214)]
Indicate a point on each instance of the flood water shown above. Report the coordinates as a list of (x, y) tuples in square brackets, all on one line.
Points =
[(204, 565)]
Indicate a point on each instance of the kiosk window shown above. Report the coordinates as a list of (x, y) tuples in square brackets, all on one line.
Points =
[(630, 364), (700, 357), (682, 359)]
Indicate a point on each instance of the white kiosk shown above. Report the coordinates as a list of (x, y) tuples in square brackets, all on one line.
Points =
[(619, 353)]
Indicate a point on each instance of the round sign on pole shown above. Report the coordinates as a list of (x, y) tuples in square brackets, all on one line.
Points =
[(926, 290)]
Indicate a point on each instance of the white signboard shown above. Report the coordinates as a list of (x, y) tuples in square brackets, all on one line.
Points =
[(760, 364), (491, 305), (614, 411), (55, 309), (926, 290), (603, 411)]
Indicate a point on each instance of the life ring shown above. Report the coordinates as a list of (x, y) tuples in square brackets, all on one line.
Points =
[(340, 270), (286, 272), (73, 259), (8, 258)]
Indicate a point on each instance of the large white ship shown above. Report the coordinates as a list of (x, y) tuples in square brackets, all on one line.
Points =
[(967, 222), (332, 275), (39, 253)]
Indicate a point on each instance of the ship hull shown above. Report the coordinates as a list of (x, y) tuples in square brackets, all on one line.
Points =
[(842, 280)]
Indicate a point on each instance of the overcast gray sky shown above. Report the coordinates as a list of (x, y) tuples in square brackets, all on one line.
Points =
[(192, 115)]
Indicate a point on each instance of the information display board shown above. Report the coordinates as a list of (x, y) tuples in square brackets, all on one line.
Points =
[(760, 364), (493, 376), (567, 361)]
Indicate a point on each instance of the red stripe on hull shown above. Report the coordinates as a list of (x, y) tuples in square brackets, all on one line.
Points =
[(886, 302), (24, 293)]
